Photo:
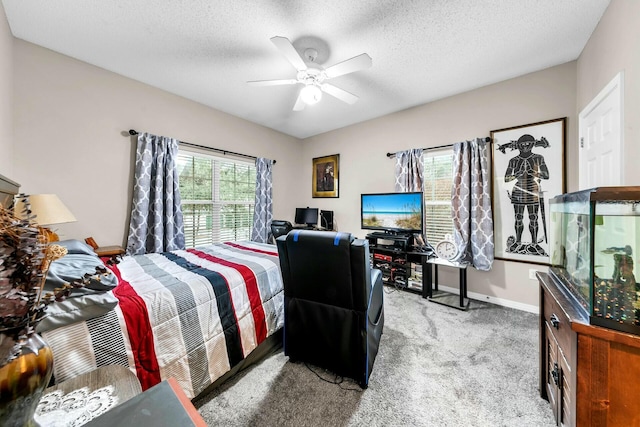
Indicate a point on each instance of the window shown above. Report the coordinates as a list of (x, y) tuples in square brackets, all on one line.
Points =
[(438, 179), (218, 197)]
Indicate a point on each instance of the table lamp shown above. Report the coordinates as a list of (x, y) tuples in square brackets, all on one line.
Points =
[(48, 210)]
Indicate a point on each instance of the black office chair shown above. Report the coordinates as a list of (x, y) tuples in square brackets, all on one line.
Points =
[(280, 228), (333, 313)]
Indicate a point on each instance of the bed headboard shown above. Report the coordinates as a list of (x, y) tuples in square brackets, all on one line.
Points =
[(8, 189)]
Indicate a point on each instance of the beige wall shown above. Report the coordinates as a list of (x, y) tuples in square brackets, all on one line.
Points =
[(613, 47), (6, 97), (364, 167), (69, 117)]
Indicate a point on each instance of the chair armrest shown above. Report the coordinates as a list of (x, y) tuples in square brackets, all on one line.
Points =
[(374, 309), (283, 256)]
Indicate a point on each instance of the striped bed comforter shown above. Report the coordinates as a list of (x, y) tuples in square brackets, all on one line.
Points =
[(189, 314)]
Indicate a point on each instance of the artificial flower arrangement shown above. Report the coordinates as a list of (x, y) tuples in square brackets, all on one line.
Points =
[(25, 256)]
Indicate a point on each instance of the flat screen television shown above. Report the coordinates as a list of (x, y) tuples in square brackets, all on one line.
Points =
[(308, 216), (392, 212)]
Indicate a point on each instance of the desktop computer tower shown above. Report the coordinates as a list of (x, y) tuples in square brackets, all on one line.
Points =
[(326, 220)]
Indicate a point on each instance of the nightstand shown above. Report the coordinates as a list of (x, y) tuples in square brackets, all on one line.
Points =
[(163, 405), (125, 382), (125, 386), (103, 251)]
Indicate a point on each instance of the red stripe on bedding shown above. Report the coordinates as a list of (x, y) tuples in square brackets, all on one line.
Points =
[(252, 290), (136, 317), (246, 248)]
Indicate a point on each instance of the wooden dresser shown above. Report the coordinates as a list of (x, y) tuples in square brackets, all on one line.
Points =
[(590, 375)]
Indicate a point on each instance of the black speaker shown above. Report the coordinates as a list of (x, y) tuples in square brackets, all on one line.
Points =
[(326, 220)]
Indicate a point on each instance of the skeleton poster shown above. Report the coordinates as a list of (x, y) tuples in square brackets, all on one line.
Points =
[(527, 166)]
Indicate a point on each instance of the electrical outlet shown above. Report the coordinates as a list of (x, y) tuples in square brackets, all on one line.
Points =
[(532, 274)]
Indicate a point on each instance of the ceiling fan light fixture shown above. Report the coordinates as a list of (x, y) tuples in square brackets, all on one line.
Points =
[(312, 76), (310, 94)]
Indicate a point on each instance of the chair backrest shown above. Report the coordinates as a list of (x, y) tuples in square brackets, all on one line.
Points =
[(280, 228), (327, 267)]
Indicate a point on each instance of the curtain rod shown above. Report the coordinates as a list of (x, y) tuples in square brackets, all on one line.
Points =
[(487, 139), (134, 132)]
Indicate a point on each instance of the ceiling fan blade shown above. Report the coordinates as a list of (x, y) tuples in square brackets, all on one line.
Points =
[(289, 52), (356, 63), (341, 94), (273, 82), (299, 105)]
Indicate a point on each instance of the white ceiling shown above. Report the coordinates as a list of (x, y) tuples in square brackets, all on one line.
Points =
[(207, 50)]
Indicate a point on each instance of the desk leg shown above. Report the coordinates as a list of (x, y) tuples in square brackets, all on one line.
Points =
[(427, 280), (426, 284), (463, 288), (465, 283), (435, 278), (444, 297)]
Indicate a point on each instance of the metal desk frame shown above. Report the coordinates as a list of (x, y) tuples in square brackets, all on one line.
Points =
[(430, 284)]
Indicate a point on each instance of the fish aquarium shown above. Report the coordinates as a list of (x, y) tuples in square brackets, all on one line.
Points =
[(594, 239)]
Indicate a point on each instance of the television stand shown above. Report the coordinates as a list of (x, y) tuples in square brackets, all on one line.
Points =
[(397, 242), (401, 267)]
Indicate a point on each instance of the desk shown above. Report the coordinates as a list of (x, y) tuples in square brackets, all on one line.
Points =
[(442, 297), (313, 227), (305, 227)]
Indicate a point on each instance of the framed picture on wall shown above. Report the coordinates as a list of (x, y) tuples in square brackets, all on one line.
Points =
[(325, 176), (527, 168)]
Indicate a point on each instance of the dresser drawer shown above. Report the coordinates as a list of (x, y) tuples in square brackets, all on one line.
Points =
[(557, 322)]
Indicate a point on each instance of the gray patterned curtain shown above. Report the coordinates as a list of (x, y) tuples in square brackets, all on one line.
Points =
[(156, 217), (471, 204), (409, 171), (263, 212)]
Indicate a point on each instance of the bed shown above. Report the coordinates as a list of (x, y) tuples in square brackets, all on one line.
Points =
[(190, 314), (198, 315)]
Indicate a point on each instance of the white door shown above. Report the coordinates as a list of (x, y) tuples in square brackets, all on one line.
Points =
[(600, 136)]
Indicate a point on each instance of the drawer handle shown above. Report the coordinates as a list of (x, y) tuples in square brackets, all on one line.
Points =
[(555, 374), (555, 322)]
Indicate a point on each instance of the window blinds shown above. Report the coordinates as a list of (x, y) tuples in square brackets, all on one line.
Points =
[(218, 197), (438, 179)]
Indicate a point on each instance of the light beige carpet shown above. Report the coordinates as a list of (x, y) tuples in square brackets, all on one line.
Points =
[(437, 366)]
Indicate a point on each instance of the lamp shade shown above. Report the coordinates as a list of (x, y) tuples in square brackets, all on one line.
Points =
[(47, 208)]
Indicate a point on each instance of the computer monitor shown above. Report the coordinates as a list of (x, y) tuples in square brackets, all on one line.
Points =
[(308, 216)]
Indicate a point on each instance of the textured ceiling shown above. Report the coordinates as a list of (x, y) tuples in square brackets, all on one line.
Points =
[(207, 50)]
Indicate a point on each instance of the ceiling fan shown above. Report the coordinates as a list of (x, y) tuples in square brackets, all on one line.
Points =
[(313, 77)]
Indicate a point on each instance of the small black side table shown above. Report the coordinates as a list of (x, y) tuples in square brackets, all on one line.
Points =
[(461, 302)]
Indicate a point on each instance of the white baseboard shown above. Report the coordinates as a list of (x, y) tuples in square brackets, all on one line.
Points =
[(493, 300)]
